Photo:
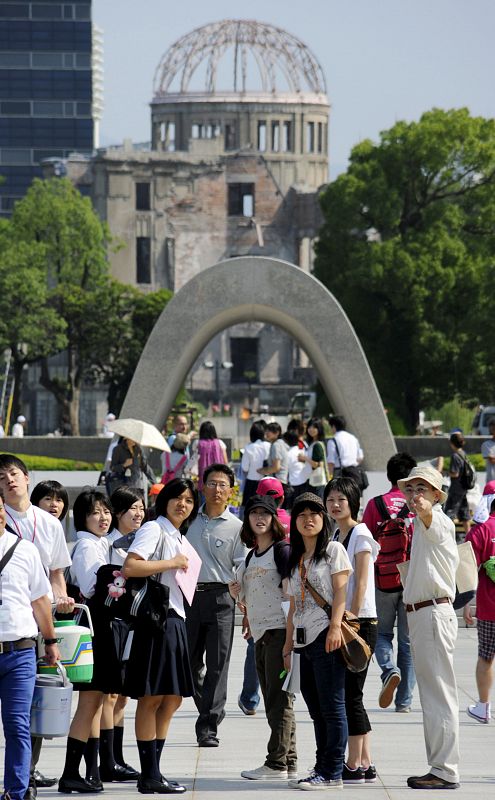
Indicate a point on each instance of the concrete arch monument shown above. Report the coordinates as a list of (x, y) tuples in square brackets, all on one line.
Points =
[(255, 288)]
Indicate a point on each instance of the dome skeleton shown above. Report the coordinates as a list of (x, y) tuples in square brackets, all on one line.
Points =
[(272, 49)]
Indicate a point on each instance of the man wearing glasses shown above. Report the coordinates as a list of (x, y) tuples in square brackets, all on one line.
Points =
[(429, 591), (214, 534)]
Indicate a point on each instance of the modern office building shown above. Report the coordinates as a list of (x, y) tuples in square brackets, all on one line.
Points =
[(46, 88)]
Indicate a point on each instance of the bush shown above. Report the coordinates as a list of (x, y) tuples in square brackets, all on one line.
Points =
[(453, 414), (46, 463), (476, 459)]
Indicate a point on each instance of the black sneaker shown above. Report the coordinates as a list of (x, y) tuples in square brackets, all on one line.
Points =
[(352, 775), (370, 774)]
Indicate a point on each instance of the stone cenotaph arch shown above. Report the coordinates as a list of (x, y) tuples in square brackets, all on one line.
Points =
[(255, 288)]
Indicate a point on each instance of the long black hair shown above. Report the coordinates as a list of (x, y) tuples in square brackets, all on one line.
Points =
[(171, 491), (296, 541)]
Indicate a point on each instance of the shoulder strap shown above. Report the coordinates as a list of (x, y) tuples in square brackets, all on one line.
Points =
[(381, 507), (249, 557), (337, 449), (11, 530), (280, 562), (8, 555), (319, 599)]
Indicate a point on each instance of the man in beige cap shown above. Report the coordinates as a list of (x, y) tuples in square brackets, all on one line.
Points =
[(429, 590)]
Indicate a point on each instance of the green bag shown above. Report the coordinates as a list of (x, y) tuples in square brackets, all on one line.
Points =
[(489, 566)]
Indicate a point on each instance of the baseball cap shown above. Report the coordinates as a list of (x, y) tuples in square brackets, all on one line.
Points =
[(270, 486), (261, 501)]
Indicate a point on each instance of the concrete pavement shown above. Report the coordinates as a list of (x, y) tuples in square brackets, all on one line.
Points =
[(398, 746)]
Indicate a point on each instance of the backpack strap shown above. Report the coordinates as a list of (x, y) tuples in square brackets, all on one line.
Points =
[(383, 510), (8, 555), (279, 551)]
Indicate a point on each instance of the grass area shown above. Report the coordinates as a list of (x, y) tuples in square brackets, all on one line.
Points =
[(62, 464)]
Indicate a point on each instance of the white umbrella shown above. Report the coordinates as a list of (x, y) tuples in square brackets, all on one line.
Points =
[(141, 432)]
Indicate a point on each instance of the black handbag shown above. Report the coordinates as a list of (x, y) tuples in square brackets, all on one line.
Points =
[(138, 601)]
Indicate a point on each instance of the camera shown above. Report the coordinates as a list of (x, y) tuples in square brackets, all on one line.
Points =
[(300, 635)]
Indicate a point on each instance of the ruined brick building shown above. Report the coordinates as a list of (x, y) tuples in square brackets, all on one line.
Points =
[(239, 133)]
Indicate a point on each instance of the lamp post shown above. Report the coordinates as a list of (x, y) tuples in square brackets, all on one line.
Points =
[(217, 365)]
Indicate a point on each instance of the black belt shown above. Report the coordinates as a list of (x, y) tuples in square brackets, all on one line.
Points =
[(209, 587), (437, 601), (20, 644)]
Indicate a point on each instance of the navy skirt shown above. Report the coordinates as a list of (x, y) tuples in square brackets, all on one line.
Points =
[(159, 662)]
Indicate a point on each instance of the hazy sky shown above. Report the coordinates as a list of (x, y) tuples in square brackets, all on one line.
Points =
[(383, 60)]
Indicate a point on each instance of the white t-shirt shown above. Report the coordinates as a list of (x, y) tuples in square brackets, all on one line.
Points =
[(23, 581), (254, 455), (309, 615), (90, 553), (263, 594), (145, 545), (17, 430), (43, 530), (348, 454), (299, 471), (361, 541)]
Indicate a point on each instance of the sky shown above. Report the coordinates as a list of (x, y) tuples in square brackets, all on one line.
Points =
[(384, 60)]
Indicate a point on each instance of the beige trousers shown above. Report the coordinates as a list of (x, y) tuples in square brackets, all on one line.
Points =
[(433, 634)]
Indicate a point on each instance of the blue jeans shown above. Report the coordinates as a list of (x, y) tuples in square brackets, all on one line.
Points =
[(389, 606), (250, 697), (323, 689), (17, 676)]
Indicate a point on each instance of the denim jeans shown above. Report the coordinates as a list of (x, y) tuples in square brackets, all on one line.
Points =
[(323, 689), (17, 676), (389, 606), (250, 696)]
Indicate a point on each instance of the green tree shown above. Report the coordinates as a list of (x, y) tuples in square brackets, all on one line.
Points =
[(407, 247), (55, 215), (116, 356), (28, 325)]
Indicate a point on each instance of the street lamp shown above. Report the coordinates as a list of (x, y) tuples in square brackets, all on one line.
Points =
[(217, 365)]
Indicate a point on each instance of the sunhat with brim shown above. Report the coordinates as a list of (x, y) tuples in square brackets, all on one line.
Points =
[(483, 508), (429, 475), (307, 500), (261, 501)]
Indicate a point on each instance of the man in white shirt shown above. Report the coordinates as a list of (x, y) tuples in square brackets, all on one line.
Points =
[(344, 453), (24, 606), (18, 426), (429, 591), (46, 533)]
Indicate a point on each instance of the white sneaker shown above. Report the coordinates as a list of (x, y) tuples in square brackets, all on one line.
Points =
[(316, 783), (480, 712), (265, 773)]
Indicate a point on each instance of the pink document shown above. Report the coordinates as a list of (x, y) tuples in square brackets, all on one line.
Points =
[(186, 581)]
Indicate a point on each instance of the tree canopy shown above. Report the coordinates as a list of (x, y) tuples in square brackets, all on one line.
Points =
[(407, 247)]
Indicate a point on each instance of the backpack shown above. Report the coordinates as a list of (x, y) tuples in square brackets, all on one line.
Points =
[(394, 537), (468, 475), (171, 472)]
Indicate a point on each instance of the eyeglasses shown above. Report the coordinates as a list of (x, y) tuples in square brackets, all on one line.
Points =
[(410, 490), (217, 485)]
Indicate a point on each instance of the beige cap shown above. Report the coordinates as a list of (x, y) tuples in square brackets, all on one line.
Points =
[(429, 475)]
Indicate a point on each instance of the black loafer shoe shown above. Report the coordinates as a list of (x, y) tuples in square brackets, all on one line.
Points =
[(41, 781), (68, 785), (150, 786), (130, 770), (96, 783), (30, 793), (430, 781), (208, 741), (118, 774)]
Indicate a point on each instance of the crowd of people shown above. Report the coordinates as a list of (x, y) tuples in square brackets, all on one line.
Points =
[(302, 535)]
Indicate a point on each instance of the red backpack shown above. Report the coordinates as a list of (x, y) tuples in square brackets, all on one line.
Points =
[(394, 536), (171, 472)]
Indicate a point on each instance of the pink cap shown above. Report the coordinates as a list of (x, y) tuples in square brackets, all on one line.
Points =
[(270, 485), (489, 488)]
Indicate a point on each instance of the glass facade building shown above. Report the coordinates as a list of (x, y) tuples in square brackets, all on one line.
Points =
[(46, 89)]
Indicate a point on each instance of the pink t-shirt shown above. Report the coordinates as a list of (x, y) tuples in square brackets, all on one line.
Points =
[(482, 537), (394, 501)]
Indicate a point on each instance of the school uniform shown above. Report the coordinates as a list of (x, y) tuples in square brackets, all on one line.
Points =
[(44, 531), (23, 581), (159, 661)]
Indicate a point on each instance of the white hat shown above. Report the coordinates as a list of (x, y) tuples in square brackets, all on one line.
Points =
[(428, 474), (21, 418)]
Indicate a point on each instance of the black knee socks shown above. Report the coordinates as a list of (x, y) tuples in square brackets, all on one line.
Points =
[(107, 759), (74, 753), (118, 742), (148, 760), (159, 747), (91, 759)]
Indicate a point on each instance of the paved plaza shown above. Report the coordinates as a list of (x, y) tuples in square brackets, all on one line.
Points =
[(397, 745)]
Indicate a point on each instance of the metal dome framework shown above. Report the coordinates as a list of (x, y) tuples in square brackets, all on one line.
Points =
[(274, 50)]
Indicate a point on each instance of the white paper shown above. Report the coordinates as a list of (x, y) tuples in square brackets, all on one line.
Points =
[(186, 581), (292, 682)]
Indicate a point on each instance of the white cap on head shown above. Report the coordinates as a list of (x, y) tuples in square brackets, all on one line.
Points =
[(21, 418)]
